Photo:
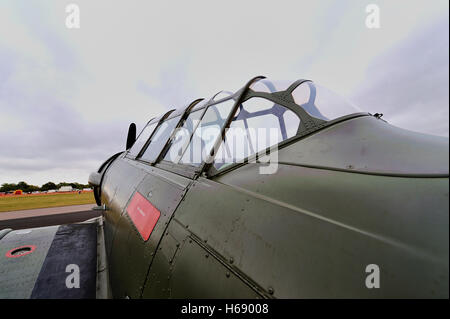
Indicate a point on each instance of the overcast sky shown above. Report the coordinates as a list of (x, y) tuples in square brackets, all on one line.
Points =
[(68, 95)]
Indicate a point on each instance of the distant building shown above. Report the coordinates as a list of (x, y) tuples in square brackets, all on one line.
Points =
[(87, 189), (65, 189), (51, 191)]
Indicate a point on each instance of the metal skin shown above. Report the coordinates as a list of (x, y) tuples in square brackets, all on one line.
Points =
[(348, 193), (355, 192)]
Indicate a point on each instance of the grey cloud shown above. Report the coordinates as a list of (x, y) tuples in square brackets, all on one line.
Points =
[(6, 65), (409, 83), (59, 138), (174, 90), (36, 18), (51, 133)]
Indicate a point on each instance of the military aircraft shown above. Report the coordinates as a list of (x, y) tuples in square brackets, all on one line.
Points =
[(278, 190)]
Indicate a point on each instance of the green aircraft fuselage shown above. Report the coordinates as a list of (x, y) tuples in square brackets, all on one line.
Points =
[(347, 193), (274, 191)]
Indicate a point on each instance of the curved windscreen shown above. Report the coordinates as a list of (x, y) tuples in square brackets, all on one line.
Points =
[(159, 139), (265, 85), (321, 102), (259, 124), (142, 139), (206, 133), (182, 136), (317, 100), (221, 95)]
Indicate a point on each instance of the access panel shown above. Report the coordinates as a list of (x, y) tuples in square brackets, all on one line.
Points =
[(141, 226)]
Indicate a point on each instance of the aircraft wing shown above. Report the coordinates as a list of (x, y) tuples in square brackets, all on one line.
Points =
[(53, 262)]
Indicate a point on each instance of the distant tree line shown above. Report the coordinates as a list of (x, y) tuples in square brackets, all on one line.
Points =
[(7, 187)]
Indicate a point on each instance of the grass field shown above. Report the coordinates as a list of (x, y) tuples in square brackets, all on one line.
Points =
[(10, 203)]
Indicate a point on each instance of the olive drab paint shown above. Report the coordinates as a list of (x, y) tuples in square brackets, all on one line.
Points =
[(344, 206), (348, 194)]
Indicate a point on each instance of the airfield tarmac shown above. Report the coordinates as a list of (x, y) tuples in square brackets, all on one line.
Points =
[(40, 217)]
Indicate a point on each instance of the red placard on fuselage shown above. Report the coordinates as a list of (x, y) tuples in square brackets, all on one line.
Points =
[(143, 214)]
